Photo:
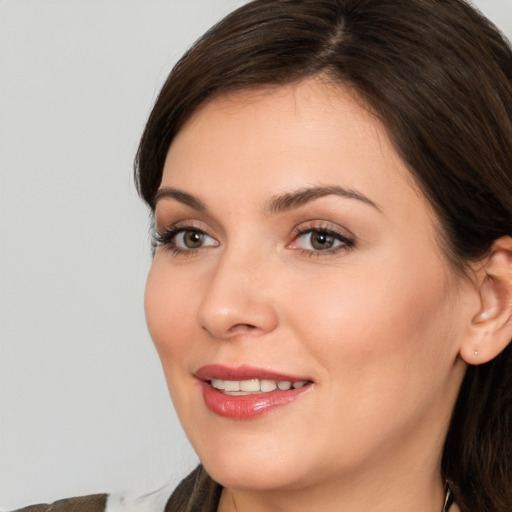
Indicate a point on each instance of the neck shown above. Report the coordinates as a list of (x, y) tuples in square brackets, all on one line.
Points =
[(397, 495)]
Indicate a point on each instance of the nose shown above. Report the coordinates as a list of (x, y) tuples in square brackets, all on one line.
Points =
[(238, 299)]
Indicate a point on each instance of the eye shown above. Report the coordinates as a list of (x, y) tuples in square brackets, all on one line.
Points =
[(192, 239), (185, 239), (317, 240)]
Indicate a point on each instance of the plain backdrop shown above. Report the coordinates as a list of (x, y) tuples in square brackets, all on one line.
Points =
[(83, 402)]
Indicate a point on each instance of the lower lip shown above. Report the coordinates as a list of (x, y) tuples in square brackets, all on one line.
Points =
[(248, 406)]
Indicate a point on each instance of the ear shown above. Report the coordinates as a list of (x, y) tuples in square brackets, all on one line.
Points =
[(491, 326)]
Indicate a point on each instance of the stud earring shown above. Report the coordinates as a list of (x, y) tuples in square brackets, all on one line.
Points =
[(475, 353)]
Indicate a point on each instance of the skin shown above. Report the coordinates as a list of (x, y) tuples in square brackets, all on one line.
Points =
[(378, 326)]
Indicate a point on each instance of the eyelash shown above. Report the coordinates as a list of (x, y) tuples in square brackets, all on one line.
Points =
[(166, 239), (345, 245)]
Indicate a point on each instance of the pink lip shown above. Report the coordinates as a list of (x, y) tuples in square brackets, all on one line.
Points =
[(246, 406), (218, 371)]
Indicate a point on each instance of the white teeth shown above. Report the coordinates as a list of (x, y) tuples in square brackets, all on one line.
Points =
[(242, 387), (250, 385), (268, 385), (231, 385), (217, 383)]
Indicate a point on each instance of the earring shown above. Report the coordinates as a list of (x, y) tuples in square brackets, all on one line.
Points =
[(475, 353)]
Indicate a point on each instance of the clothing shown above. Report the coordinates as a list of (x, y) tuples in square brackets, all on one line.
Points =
[(196, 493), (94, 503)]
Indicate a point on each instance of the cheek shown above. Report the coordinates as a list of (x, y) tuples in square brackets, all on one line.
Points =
[(167, 306), (380, 348), (375, 327)]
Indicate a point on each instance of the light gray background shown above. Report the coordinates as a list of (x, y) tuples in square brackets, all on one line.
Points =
[(83, 403)]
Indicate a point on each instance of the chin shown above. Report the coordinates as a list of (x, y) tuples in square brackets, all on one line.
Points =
[(255, 461), (247, 475)]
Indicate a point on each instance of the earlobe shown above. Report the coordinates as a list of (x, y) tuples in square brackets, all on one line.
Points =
[(491, 326)]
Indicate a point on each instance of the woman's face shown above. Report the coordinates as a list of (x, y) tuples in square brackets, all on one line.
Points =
[(294, 247)]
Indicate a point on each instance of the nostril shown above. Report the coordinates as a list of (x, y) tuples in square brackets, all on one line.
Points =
[(243, 327), (235, 330), (228, 311)]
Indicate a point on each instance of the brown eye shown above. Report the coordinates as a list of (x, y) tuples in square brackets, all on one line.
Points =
[(182, 240), (192, 239), (320, 240)]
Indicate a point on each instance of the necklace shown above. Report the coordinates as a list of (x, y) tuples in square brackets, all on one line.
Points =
[(448, 500)]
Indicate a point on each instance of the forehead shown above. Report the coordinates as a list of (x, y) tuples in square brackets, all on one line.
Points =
[(307, 131), (301, 103)]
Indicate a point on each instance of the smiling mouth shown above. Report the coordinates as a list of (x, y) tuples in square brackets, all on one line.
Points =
[(245, 392), (254, 386)]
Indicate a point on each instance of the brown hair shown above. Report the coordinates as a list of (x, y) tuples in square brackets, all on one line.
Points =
[(439, 76)]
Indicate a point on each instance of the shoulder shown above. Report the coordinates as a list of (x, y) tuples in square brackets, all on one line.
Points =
[(115, 502), (196, 492), (93, 503)]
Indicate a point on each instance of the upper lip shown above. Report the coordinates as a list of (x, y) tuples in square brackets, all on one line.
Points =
[(221, 372)]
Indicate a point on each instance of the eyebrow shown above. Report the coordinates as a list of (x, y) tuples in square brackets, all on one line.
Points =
[(291, 200), (279, 203), (180, 196)]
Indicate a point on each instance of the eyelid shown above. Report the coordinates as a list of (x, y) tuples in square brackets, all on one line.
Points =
[(323, 225), (168, 214), (182, 224)]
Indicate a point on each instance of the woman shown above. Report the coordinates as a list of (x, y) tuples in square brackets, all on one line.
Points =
[(331, 290)]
